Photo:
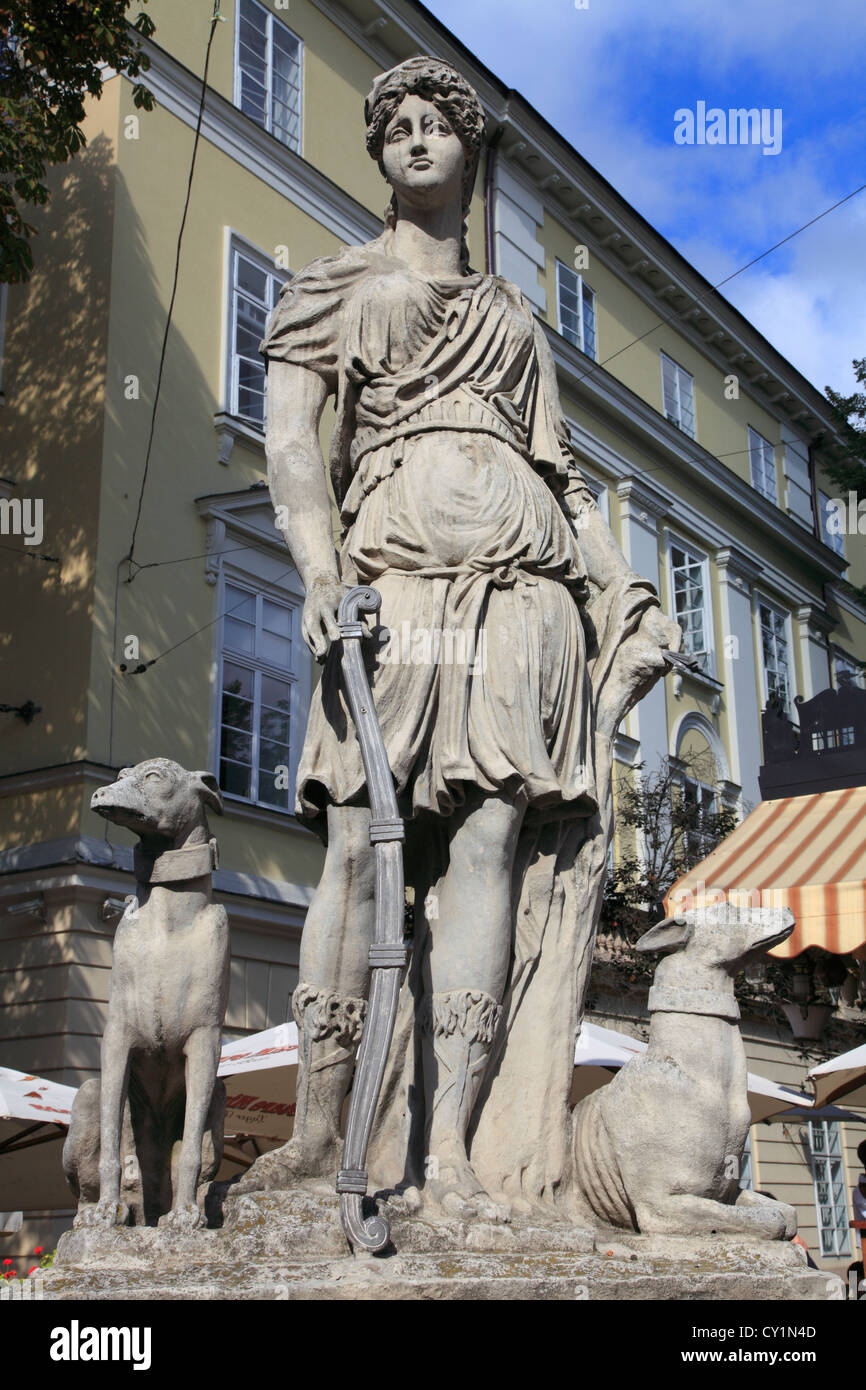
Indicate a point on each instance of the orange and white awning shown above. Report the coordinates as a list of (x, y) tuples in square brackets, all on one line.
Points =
[(807, 853)]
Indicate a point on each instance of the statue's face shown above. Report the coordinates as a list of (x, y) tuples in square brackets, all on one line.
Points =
[(423, 158)]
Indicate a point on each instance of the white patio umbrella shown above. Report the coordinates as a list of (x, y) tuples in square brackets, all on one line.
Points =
[(844, 1075), (600, 1052), (34, 1117), (260, 1073)]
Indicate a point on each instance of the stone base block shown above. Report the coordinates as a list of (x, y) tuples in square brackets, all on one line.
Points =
[(290, 1245)]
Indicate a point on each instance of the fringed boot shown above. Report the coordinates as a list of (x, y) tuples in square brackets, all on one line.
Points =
[(458, 1028), (329, 1030)]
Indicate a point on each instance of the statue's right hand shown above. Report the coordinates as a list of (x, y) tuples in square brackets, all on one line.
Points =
[(319, 624)]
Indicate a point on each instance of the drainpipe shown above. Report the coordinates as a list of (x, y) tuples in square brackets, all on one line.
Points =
[(489, 179)]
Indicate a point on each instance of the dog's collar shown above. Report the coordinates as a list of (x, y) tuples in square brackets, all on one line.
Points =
[(676, 999), (176, 865)]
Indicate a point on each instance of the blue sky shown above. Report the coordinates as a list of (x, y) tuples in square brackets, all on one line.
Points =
[(610, 78)]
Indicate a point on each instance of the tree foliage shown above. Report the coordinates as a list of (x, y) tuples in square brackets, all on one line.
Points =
[(52, 53), (673, 833)]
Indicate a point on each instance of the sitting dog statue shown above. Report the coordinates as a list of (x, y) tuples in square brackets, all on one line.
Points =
[(158, 1106), (658, 1150)]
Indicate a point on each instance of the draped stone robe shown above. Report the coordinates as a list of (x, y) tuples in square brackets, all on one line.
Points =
[(450, 462)]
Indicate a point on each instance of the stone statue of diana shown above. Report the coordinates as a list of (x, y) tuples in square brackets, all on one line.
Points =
[(519, 638)]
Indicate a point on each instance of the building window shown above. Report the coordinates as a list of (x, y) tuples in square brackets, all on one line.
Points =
[(699, 801), (762, 460), (678, 394), (774, 653), (691, 594), (846, 671), (830, 534), (828, 1175), (268, 73), (576, 306), (255, 289), (258, 683)]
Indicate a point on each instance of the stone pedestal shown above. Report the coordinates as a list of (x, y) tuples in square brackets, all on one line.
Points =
[(290, 1245)]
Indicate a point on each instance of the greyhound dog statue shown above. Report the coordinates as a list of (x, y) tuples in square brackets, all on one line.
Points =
[(167, 1002), (659, 1149)]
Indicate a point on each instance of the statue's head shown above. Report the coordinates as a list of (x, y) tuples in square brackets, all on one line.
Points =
[(424, 100)]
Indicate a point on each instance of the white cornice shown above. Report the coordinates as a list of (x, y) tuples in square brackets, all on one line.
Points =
[(849, 604), (86, 850), (178, 91), (605, 395)]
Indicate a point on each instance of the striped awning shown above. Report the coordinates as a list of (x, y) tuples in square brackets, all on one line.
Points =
[(807, 853)]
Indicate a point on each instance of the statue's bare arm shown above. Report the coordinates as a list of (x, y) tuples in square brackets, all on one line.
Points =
[(298, 484)]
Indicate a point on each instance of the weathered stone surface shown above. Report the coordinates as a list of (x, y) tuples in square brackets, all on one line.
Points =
[(143, 1135), (661, 1146), (289, 1246)]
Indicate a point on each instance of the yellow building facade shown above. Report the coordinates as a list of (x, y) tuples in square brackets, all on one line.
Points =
[(696, 434)]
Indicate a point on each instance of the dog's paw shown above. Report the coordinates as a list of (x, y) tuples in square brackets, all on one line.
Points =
[(100, 1215), (182, 1220)]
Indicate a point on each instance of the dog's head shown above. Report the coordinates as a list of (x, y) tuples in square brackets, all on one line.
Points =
[(721, 934), (158, 797)]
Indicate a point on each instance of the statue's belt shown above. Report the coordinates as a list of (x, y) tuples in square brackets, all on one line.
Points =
[(176, 865)]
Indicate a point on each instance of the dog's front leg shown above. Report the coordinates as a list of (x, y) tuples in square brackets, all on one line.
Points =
[(115, 1057), (202, 1053)]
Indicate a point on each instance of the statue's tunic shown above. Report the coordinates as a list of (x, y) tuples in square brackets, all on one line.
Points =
[(448, 462)]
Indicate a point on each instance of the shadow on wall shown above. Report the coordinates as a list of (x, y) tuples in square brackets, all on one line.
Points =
[(70, 437)]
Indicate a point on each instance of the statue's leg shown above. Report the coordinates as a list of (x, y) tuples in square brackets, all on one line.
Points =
[(328, 1005), (465, 974)]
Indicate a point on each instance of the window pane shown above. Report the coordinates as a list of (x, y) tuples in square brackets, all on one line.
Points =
[(276, 651), (237, 713), (235, 778), (250, 279), (237, 680), (276, 694), (236, 745), (270, 793), (239, 637), (275, 726), (277, 618), (273, 755)]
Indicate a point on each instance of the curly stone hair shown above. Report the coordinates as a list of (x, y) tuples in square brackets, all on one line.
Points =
[(450, 93)]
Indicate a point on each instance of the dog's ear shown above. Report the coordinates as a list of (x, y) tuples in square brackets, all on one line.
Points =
[(209, 791), (668, 935)]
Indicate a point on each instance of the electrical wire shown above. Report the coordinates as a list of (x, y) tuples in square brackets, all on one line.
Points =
[(714, 288), (213, 24)]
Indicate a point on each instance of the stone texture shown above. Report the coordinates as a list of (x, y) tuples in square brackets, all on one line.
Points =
[(167, 1001), (289, 1245), (660, 1147)]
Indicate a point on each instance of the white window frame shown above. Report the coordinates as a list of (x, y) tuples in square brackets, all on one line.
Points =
[(761, 462), (277, 277), (297, 678), (762, 601), (839, 1242), (270, 21), (835, 540), (700, 557), (580, 290), (680, 374)]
